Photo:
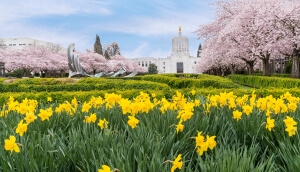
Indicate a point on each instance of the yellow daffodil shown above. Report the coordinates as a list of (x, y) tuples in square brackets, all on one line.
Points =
[(30, 117), (270, 123), (177, 163), (103, 123), (22, 128), (104, 168), (179, 127), (237, 115), (11, 145), (49, 99), (132, 122)]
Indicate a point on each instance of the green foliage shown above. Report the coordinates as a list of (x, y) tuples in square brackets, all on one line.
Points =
[(178, 81), (152, 69), (66, 143), (85, 84), (19, 73), (265, 81)]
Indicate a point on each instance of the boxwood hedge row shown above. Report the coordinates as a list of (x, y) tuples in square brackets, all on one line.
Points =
[(53, 85), (191, 81), (265, 81)]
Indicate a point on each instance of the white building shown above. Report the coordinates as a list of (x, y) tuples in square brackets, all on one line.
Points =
[(20, 43), (179, 61)]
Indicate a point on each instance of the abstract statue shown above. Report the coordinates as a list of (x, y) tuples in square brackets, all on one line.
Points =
[(120, 72), (74, 63)]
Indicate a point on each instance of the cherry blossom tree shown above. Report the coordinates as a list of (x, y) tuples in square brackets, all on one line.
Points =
[(38, 59), (251, 30)]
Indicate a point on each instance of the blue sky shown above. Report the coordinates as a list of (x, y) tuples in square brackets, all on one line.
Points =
[(142, 28)]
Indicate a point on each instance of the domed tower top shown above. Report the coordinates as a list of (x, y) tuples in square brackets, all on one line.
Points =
[(180, 44)]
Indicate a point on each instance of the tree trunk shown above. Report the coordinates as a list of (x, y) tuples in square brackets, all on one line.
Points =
[(232, 69), (295, 64), (266, 67), (250, 67)]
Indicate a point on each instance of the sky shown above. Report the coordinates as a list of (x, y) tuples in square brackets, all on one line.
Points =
[(142, 28)]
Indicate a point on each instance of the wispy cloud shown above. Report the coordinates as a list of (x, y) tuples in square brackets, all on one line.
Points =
[(18, 9), (145, 23)]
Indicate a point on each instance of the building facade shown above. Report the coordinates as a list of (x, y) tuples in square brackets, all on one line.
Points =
[(179, 61), (20, 43)]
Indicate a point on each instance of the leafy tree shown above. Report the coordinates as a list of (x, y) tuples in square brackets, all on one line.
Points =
[(152, 69), (98, 46)]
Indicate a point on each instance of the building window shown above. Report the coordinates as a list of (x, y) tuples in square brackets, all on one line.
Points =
[(195, 62), (143, 63), (24, 44), (20, 44), (164, 63), (146, 64), (10, 44), (139, 63), (179, 67), (14, 44), (164, 67)]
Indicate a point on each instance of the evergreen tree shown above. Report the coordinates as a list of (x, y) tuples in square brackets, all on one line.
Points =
[(98, 46), (152, 69), (199, 50)]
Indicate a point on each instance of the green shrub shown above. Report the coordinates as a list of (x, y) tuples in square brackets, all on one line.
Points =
[(190, 81), (265, 81)]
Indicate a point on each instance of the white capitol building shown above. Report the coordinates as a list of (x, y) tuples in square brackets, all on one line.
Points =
[(179, 61)]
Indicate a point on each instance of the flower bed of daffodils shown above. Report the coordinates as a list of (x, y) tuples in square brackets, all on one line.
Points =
[(222, 132)]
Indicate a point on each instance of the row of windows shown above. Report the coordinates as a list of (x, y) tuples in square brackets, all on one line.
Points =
[(13, 44), (144, 63)]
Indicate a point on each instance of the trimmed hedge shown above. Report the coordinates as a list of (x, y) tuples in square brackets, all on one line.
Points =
[(178, 81), (86, 84), (265, 81)]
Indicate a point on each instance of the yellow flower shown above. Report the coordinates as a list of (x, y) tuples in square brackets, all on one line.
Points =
[(22, 128), (232, 104), (291, 130), (103, 123), (270, 124), (93, 117), (211, 142), (11, 145), (30, 117), (289, 121), (177, 163), (203, 145), (179, 127), (247, 109), (87, 119), (85, 107), (237, 115), (292, 106), (193, 92), (197, 102), (45, 114), (104, 168), (49, 99), (132, 121)]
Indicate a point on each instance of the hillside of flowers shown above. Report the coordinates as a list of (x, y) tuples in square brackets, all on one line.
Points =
[(221, 132)]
